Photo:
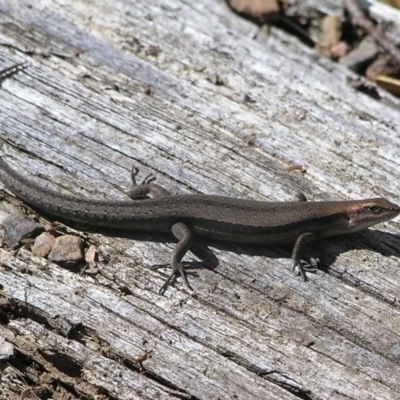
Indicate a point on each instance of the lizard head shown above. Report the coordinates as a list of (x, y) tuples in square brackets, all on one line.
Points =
[(365, 213)]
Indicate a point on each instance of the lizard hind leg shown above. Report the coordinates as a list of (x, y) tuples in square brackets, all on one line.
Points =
[(182, 232), (145, 189), (301, 197)]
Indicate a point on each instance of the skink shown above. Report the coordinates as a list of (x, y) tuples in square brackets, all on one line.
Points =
[(215, 217)]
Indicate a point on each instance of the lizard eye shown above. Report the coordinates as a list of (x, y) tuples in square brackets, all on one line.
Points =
[(374, 209)]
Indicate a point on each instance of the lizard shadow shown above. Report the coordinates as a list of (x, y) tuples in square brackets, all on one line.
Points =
[(326, 250), (199, 247), (329, 249)]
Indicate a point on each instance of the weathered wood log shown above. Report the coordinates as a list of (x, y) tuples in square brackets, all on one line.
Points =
[(209, 103)]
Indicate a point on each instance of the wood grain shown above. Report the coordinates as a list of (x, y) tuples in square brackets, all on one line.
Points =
[(165, 85)]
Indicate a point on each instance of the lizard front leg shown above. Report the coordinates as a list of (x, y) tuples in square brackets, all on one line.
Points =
[(298, 251)]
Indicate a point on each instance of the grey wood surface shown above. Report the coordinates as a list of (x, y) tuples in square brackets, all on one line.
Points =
[(162, 85)]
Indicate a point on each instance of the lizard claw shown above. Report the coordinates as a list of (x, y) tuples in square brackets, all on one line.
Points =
[(177, 268), (299, 270)]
